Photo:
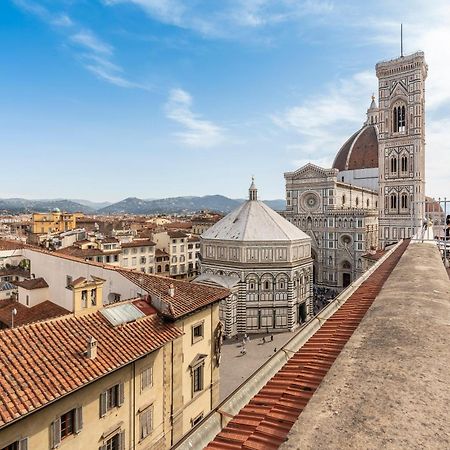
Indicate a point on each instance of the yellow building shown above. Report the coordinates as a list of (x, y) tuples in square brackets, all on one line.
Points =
[(137, 374), (54, 222)]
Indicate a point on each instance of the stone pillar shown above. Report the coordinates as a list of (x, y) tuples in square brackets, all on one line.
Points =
[(241, 310)]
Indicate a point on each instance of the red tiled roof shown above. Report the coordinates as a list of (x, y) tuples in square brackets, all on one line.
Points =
[(375, 256), (44, 361), (42, 311), (4, 271), (188, 296), (159, 252), (177, 234), (11, 245), (79, 252), (33, 283), (267, 419), (139, 243)]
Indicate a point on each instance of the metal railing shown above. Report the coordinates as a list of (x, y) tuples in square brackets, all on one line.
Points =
[(430, 221)]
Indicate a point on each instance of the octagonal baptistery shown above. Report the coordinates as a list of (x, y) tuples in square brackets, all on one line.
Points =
[(266, 263)]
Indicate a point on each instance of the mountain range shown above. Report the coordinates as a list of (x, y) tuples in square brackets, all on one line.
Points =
[(131, 205)]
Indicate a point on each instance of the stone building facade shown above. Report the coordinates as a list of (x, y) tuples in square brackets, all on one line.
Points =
[(401, 130), (266, 262), (340, 218)]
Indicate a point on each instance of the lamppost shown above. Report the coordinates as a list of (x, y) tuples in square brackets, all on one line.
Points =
[(13, 313)]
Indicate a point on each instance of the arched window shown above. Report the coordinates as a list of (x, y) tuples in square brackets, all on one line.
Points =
[(404, 201), (343, 199), (399, 119), (404, 163), (367, 202), (394, 164), (266, 285), (357, 201), (393, 201), (166, 268)]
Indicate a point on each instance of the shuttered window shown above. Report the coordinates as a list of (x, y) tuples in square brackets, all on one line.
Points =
[(146, 422), (21, 444), (68, 423), (146, 378), (116, 442), (111, 398)]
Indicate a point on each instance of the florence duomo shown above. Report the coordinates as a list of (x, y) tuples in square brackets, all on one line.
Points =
[(374, 194), (219, 226)]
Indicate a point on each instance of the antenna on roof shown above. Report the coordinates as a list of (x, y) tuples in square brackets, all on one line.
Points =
[(401, 40)]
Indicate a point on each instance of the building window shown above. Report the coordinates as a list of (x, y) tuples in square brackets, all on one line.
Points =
[(158, 269), (196, 420), (84, 296), (343, 199), (197, 379), (404, 201), (93, 297), (404, 163), (111, 398), (197, 332), (399, 119), (22, 444), (146, 377), (116, 442), (68, 423), (394, 164), (146, 422), (393, 201), (68, 280)]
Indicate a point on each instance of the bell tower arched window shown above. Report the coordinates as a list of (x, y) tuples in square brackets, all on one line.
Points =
[(404, 201), (399, 119), (404, 163), (394, 164), (393, 201)]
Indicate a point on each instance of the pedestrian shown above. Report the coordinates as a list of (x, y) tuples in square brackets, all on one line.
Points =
[(243, 350), (275, 350), (271, 338), (447, 227), (263, 340)]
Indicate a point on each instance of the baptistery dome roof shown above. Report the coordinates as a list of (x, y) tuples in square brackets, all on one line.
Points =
[(360, 151), (254, 221)]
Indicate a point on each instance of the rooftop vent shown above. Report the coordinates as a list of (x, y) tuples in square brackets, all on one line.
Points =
[(171, 290), (91, 351)]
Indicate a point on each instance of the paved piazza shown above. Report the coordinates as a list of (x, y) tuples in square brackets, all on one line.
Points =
[(235, 368)]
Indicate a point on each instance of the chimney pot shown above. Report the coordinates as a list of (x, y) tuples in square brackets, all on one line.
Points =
[(171, 290), (91, 352)]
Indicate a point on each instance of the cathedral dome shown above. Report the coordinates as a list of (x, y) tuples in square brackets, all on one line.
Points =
[(360, 151)]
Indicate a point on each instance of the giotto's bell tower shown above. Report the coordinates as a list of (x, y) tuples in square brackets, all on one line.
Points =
[(401, 128)]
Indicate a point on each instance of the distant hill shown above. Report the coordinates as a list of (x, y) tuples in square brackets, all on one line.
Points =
[(132, 205), (21, 205)]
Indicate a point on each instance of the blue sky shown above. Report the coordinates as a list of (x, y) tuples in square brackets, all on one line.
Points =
[(105, 99)]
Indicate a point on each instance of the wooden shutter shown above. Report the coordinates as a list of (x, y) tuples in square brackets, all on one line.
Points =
[(141, 425), (23, 444), (78, 425), (103, 398), (55, 432), (122, 440), (121, 394)]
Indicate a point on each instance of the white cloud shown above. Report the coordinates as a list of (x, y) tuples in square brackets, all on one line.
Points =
[(87, 39), (97, 55), (197, 132), (227, 19), (324, 121)]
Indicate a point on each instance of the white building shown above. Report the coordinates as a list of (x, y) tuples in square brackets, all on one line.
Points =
[(265, 261)]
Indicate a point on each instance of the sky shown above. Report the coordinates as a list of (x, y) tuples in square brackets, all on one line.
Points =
[(108, 99)]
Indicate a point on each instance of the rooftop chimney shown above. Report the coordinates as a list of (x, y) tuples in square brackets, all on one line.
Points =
[(171, 290), (91, 351)]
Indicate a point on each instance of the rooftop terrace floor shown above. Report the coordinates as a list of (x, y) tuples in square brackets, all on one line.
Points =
[(390, 386)]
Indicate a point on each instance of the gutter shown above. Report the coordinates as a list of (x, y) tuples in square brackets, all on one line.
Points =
[(201, 435)]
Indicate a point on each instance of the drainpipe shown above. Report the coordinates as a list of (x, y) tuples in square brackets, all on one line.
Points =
[(172, 397), (212, 355), (134, 407)]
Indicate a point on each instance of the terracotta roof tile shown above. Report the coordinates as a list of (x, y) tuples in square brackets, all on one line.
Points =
[(33, 283), (139, 243), (266, 420), (187, 298), (51, 355), (42, 311)]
